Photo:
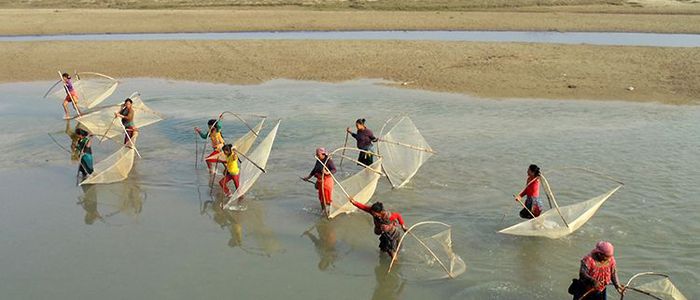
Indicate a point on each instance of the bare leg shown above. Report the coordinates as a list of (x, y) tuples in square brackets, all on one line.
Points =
[(65, 110)]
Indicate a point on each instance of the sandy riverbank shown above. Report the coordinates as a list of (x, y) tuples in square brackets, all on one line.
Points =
[(61, 21), (492, 70)]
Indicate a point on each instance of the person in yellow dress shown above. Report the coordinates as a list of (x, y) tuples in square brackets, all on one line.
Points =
[(231, 171)]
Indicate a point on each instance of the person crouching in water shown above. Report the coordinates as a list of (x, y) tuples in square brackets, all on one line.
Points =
[(231, 171), (365, 138), (532, 191), (217, 142), (385, 224), (126, 113), (324, 179), (84, 151), (598, 269)]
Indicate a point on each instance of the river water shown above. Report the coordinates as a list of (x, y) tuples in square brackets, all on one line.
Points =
[(157, 235), (547, 37)]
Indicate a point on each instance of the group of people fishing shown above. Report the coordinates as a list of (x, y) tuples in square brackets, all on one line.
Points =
[(83, 146), (597, 269)]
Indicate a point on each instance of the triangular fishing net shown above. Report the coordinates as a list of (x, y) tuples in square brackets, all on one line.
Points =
[(550, 224), (113, 168), (360, 186), (103, 124), (249, 173), (244, 143), (650, 285), (404, 151), (92, 88), (425, 253)]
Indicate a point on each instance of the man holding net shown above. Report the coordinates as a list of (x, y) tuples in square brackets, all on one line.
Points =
[(385, 223)]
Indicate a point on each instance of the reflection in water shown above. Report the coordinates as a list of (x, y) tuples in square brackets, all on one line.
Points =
[(70, 132), (124, 198), (389, 285), (249, 223), (325, 242)]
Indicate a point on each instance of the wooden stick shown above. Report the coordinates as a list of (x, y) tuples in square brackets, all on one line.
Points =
[(524, 206), (586, 294), (104, 136), (408, 146), (133, 145), (196, 151), (549, 190), (640, 291), (333, 177), (72, 100), (342, 155), (359, 163)]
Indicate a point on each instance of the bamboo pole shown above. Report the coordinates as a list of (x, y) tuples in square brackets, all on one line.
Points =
[(408, 146), (72, 100), (549, 190), (342, 155)]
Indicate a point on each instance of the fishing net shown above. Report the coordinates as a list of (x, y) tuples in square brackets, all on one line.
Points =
[(114, 168), (404, 151), (550, 224), (425, 253), (244, 143), (652, 285), (92, 88), (360, 186), (103, 124), (249, 173)]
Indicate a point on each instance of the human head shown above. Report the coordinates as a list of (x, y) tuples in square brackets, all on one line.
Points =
[(533, 170), (65, 76), (213, 124), (603, 251), (377, 207), (80, 132), (360, 124), (321, 152), (228, 148), (128, 102)]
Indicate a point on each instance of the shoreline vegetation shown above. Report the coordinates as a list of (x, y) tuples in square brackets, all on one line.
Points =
[(500, 70)]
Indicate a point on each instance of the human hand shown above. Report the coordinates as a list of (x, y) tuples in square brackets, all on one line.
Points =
[(404, 228), (348, 130), (518, 198), (621, 289), (197, 130)]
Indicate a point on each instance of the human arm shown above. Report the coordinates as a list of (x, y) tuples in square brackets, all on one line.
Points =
[(616, 281), (359, 205), (371, 136), (201, 133), (330, 166), (396, 217)]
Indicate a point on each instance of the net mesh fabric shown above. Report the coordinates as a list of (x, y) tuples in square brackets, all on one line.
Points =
[(401, 162), (360, 186), (103, 123), (113, 168), (244, 143), (660, 287), (92, 89), (249, 173), (550, 224), (425, 253)]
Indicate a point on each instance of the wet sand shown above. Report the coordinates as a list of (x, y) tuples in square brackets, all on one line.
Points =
[(586, 18), (500, 70)]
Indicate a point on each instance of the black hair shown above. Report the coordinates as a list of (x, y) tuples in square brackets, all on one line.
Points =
[(81, 132), (227, 147), (535, 170), (377, 207), (66, 75), (128, 100), (360, 121), (211, 122)]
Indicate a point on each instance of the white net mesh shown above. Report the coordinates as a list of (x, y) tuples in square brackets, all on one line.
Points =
[(360, 186), (114, 168), (92, 89), (244, 143), (425, 253), (550, 224), (103, 123), (402, 148), (653, 285), (249, 172)]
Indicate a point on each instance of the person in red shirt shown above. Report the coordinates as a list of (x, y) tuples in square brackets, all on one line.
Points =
[(385, 224), (598, 270), (532, 191)]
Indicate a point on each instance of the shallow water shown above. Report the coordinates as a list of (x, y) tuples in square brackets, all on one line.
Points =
[(159, 237), (548, 37)]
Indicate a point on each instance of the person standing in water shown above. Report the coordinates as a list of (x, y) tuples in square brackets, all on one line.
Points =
[(532, 191), (324, 179), (84, 151), (126, 114), (598, 270), (217, 142), (365, 138), (385, 224), (231, 172), (71, 96)]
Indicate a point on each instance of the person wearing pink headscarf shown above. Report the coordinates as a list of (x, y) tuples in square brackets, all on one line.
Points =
[(324, 180), (598, 270)]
